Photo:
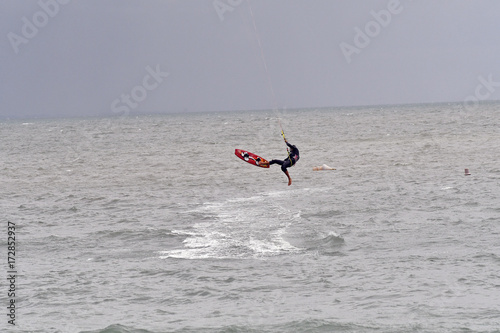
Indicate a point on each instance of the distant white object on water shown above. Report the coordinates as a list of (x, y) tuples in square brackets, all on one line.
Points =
[(467, 173), (322, 167)]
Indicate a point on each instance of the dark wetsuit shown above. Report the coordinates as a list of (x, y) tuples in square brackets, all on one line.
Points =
[(289, 160)]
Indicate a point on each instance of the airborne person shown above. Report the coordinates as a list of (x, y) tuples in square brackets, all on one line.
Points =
[(293, 157)]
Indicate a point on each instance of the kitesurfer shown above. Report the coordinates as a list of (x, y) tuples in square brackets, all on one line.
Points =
[(293, 157)]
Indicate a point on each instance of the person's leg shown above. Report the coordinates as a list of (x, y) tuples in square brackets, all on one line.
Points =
[(289, 179), (284, 167), (276, 162)]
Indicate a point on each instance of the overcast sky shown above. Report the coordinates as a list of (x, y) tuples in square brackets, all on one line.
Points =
[(105, 57)]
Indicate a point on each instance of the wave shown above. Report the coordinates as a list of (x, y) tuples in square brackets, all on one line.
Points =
[(117, 328), (242, 227), (323, 213), (332, 240), (328, 244), (218, 245), (309, 325)]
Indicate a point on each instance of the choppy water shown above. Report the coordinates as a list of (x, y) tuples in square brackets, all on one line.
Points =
[(152, 225)]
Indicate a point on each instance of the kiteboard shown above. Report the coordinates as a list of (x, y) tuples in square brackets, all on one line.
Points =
[(251, 158)]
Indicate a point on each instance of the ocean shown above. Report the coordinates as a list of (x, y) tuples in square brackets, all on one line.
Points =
[(151, 224)]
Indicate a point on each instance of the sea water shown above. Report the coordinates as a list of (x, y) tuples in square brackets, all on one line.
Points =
[(151, 224)]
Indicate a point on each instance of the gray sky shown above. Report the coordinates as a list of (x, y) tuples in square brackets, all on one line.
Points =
[(106, 57)]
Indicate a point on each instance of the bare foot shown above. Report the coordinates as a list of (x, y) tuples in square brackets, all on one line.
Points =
[(289, 179)]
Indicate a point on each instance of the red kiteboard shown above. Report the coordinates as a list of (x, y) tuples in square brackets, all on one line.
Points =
[(251, 158)]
